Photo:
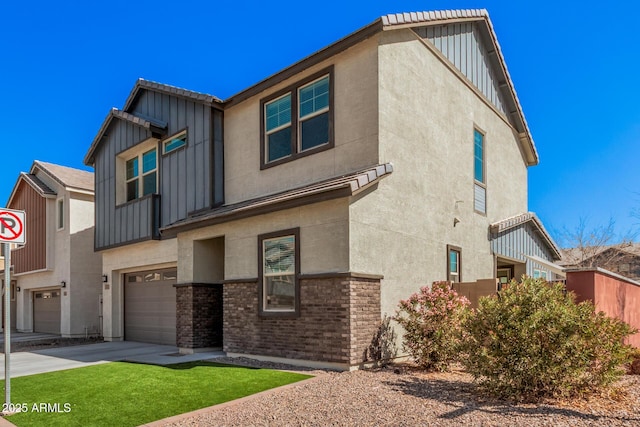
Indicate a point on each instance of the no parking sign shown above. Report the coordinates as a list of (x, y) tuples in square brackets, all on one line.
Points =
[(12, 226)]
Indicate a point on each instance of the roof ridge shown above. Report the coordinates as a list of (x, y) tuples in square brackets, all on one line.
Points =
[(151, 84), (432, 15)]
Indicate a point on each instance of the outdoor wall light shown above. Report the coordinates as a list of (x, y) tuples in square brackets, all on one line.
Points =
[(63, 284), (105, 278), (18, 288)]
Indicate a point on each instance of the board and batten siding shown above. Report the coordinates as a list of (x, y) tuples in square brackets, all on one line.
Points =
[(33, 255), (462, 45), (187, 182), (519, 241)]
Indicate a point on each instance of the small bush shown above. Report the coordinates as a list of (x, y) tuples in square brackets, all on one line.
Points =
[(634, 365), (532, 341), (431, 319)]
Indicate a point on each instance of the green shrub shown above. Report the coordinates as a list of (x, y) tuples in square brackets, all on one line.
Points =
[(432, 322), (532, 341), (634, 365)]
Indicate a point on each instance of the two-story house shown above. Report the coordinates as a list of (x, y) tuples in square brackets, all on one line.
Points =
[(286, 221), (56, 276)]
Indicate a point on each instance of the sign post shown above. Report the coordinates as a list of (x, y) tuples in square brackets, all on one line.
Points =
[(11, 231)]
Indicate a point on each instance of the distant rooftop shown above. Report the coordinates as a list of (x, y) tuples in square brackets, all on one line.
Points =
[(68, 177)]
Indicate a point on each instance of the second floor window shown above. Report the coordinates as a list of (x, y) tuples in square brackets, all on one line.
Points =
[(142, 175), (298, 120), (60, 214), (479, 173)]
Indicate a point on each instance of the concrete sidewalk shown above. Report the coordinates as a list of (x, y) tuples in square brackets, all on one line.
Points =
[(57, 359)]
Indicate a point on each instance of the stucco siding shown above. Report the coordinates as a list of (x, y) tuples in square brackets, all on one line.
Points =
[(324, 234), (427, 116), (355, 131), (85, 282), (463, 45), (117, 261)]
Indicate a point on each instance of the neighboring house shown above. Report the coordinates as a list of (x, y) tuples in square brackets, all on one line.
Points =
[(622, 259), (56, 276), (524, 247), (286, 221)]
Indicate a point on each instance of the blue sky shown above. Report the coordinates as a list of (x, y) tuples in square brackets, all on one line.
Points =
[(574, 66)]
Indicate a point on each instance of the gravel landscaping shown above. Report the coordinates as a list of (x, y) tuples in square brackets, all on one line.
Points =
[(404, 396)]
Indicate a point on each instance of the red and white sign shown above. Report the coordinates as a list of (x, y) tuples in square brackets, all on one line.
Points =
[(12, 226)]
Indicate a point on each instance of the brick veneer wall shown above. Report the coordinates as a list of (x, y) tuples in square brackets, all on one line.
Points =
[(198, 315), (338, 318)]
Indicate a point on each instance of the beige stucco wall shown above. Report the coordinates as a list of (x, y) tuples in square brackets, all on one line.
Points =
[(426, 123), (355, 131), (324, 247), (70, 258), (142, 256), (85, 280)]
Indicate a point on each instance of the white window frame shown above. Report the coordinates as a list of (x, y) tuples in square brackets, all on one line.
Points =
[(540, 274), (123, 157)]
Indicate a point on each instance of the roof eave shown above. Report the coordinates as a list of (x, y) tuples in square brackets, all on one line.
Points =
[(516, 115), (22, 178), (311, 60), (353, 185), (88, 158), (142, 84)]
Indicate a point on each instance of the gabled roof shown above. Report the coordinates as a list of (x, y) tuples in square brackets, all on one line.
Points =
[(341, 186), (143, 84), (517, 220), (148, 123), (35, 183), (411, 20), (515, 113), (384, 23), (69, 178)]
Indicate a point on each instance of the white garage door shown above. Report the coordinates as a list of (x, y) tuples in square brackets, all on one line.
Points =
[(150, 307), (46, 311)]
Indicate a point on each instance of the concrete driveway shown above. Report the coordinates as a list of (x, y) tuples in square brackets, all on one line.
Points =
[(57, 359)]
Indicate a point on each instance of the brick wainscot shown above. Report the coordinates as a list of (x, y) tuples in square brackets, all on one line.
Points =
[(339, 314), (198, 316)]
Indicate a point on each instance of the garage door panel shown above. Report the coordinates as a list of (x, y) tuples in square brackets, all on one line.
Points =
[(150, 307), (46, 311)]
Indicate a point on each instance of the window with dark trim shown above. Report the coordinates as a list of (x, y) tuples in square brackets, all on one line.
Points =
[(174, 142), (454, 266), (298, 120), (279, 264), (479, 173), (60, 214)]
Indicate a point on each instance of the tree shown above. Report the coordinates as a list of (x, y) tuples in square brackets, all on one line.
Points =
[(595, 247)]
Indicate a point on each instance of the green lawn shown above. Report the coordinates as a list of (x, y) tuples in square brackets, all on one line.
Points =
[(129, 394)]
